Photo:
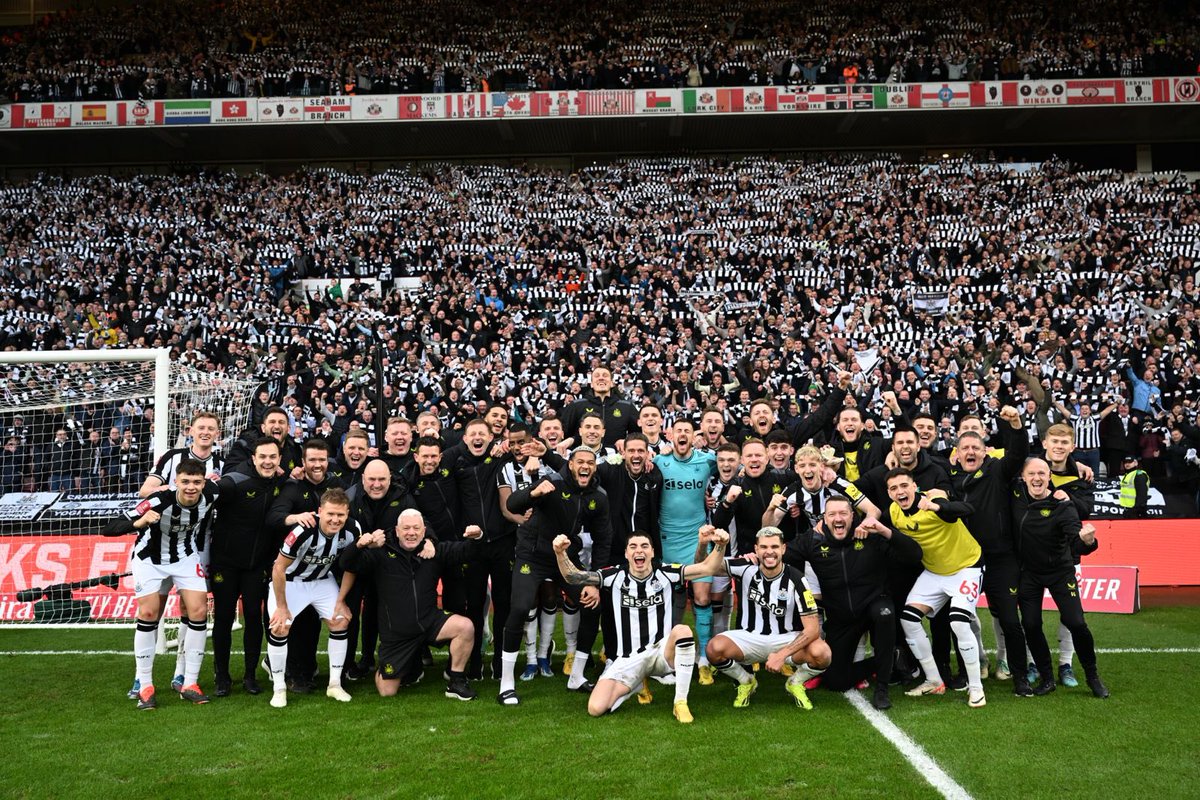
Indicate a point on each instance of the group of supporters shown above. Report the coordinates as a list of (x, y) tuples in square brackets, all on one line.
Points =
[(316, 48), (962, 285), (814, 548)]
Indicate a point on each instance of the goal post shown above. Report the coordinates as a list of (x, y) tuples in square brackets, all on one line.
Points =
[(81, 430)]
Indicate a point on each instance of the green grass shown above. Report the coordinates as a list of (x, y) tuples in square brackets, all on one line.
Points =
[(68, 731)]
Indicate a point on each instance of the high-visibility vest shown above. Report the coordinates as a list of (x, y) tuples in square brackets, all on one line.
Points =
[(1129, 488)]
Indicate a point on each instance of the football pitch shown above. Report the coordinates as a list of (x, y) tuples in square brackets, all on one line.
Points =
[(70, 732)]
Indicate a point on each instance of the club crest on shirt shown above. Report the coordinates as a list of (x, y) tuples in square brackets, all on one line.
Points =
[(525, 569), (591, 505), (858, 545), (616, 412), (1045, 512)]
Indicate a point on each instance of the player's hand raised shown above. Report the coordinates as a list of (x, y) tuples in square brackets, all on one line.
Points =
[(733, 493), (561, 543), (542, 489), (706, 533), (1088, 533)]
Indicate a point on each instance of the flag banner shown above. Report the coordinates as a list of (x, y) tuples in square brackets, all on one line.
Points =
[(93, 115), (553, 104), (186, 112), (896, 95), (1083, 93), (1185, 90), (993, 94), (374, 107), (731, 101), (136, 113), (947, 95), (281, 109), (408, 106), (1138, 90), (848, 97), (467, 105), (658, 101), (510, 105), (324, 109), (41, 115), (934, 301), (5, 116), (809, 98), (754, 100), (1042, 93), (608, 102), (699, 101), (776, 98), (234, 111)]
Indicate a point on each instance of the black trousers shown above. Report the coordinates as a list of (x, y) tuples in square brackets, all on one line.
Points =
[(302, 641), (528, 576), (842, 635), (229, 584), (901, 578), (1064, 588), (1001, 584), (494, 561), (363, 601)]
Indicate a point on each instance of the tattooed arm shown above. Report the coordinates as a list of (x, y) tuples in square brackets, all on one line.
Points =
[(571, 573)]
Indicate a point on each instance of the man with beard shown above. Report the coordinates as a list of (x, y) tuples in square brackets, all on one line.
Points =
[(274, 425), (243, 549), (569, 504), (777, 621), (852, 569), (984, 482), (1048, 533), (712, 430)]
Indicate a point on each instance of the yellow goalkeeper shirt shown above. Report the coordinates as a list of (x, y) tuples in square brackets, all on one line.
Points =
[(946, 547)]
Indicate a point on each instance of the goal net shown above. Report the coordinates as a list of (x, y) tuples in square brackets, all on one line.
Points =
[(80, 433)]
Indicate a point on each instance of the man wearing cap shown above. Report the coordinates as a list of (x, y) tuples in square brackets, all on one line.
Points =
[(1135, 489)]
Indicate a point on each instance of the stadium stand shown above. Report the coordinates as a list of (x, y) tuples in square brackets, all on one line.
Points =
[(961, 284), (237, 49)]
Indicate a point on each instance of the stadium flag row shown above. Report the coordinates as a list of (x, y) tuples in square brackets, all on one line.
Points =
[(619, 102)]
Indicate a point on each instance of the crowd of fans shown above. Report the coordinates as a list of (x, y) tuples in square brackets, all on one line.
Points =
[(962, 285), (241, 48)]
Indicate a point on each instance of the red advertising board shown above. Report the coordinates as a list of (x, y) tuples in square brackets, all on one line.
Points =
[(28, 562), (1112, 590)]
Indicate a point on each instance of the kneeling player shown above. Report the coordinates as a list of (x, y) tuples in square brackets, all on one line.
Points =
[(639, 598), (777, 620), (302, 577), (170, 525)]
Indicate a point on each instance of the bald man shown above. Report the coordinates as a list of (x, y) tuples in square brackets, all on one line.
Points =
[(406, 568), (375, 504)]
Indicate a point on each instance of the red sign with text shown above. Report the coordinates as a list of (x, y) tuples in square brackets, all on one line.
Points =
[(1108, 590), (30, 562)]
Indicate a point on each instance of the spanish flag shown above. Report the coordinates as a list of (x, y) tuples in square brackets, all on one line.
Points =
[(95, 113)]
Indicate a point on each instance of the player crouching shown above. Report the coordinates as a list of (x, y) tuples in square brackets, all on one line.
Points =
[(777, 622), (171, 525), (301, 578), (639, 596)]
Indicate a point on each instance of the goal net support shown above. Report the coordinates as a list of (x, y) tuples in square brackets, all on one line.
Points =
[(81, 430)]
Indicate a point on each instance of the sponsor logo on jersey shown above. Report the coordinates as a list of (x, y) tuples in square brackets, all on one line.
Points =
[(566, 495), (251, 494), (394, 503), (688, 485), (629, 601), (759, 599)]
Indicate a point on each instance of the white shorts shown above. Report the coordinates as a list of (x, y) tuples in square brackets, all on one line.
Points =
[(321, 595), (756, 647), (721, 584), (187, 574), (814, 585), (632, 671), (961, 589)]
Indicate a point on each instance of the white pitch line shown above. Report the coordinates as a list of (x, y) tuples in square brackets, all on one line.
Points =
[(913, 753)]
